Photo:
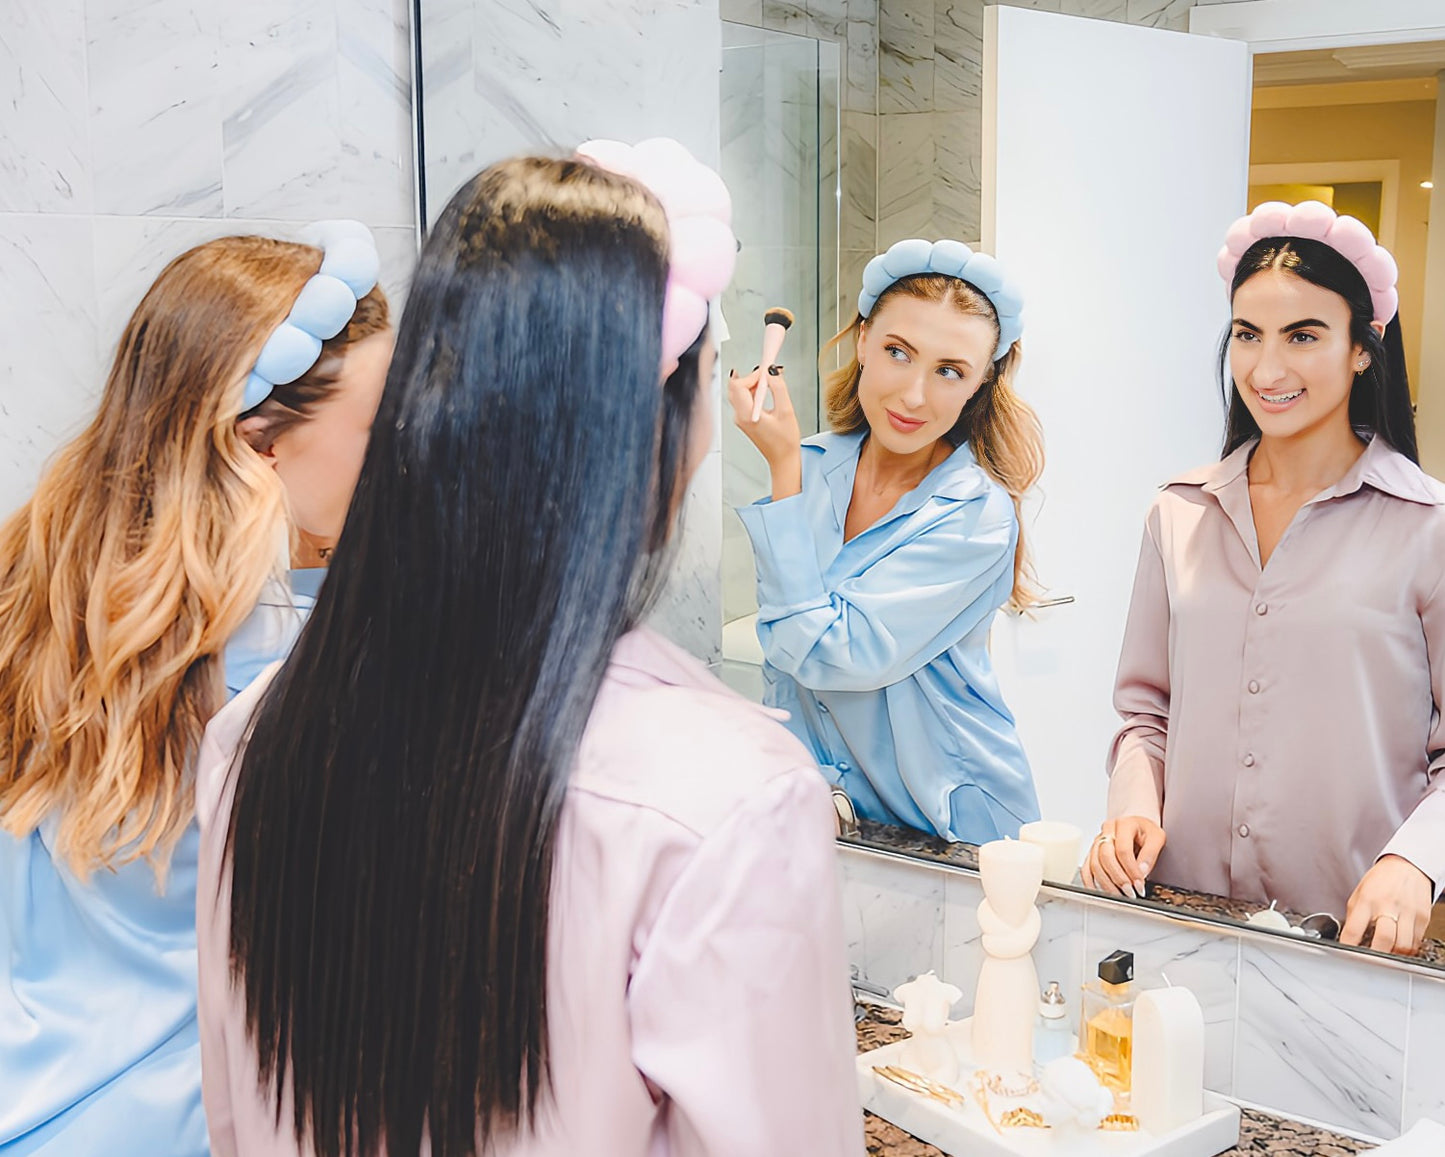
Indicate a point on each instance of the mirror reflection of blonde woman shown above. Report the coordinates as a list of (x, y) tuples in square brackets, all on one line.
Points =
[(123, 580)]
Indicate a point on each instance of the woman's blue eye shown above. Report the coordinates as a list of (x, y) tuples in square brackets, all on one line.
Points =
[(950, 372), (897, 353)]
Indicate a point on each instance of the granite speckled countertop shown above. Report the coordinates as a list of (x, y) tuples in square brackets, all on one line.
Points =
[(906, 841), (1258, 1132)]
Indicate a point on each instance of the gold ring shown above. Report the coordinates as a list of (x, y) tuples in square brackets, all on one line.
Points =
[(1103, 838), (1387, 916)]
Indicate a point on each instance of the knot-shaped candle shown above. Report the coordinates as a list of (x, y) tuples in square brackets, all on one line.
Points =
[(926, 1001), (1008, 987)]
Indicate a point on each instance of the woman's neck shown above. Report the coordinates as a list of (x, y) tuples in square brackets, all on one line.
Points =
[(1307, 462), (880, 470), (311, 551)]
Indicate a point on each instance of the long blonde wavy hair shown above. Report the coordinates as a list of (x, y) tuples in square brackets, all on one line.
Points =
[(1000, 427), (144, 547)]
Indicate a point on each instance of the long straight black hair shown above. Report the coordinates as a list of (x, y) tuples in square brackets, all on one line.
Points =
[(397, 803), (1380, 398)]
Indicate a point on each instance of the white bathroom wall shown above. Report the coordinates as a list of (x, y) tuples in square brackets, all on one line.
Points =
[(1310, 1032), (130, 132), (501, 78)]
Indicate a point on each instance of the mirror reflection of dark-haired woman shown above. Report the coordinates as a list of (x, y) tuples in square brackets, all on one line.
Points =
[(488, 867), (1283, 667)]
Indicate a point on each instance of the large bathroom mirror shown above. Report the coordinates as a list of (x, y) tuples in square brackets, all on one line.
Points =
[(844, 128)]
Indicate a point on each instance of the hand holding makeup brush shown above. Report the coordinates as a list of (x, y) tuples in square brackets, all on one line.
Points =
[(776, 323), (774, 432)]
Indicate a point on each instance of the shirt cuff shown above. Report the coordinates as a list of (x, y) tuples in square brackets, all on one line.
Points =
[(1421, 840), (789, 577), (1133, 789)]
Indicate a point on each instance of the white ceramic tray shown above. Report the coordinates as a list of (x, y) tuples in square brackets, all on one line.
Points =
[(966, 1132)]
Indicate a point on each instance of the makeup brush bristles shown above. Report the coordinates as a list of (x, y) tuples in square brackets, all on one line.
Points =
[(777, 315)]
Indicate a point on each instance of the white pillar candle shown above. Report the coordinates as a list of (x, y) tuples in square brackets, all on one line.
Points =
[(1168, 1073), (1060, 843)]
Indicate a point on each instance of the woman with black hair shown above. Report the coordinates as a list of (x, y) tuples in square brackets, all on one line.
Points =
[(487, 867), (1283, 665)]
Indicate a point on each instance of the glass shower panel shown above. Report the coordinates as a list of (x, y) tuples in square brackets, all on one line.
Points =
[(780, 160)]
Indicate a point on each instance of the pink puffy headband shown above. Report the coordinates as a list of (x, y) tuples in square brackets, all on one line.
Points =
[(1347, 236), (702, 249)]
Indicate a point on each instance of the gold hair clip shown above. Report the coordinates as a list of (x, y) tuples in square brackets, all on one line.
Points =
[(917, 1083), (1000, 1087), (1119, 1123), (1022, 1118)]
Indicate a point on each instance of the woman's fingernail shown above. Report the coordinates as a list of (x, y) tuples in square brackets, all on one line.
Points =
[(1144, 866), (774, 371), (754, 370), (732, 374)]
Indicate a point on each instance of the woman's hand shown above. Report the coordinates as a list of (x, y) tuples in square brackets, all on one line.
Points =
[(1122, 855), (1395, 897), (775, 433)]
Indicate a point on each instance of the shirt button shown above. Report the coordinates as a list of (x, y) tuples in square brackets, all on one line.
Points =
[(1244, 830), (1248, 761), (844, 767), (1254, 687), (823, 707), (1261, 608)]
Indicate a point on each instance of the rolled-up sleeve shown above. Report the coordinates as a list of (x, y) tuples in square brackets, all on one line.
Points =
[(878, 627), (1141, 691), (747, 962)]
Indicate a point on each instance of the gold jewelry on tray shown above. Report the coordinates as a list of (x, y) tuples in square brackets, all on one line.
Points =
[(1119, 1123), (917, 1083), (999, 1087), (1022, 1118)]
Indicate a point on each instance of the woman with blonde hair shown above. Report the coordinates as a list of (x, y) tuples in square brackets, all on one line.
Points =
[(888, 544), (129, 585)]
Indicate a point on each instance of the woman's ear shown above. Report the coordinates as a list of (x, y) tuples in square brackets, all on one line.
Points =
[(255, 431), (858, 342)]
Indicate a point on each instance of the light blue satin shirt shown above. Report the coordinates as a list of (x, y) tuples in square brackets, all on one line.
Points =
[(99, 1053), (878, 647)]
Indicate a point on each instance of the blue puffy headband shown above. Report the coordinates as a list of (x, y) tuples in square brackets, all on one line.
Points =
[(952, 259), (349, 268)]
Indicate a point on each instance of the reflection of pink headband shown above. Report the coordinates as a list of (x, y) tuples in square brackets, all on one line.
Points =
[(702, 249), (1314, 220)]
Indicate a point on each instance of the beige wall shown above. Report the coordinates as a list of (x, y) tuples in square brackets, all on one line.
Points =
[(1403, 131)]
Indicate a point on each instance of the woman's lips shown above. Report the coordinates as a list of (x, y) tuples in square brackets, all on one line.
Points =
[(903, 425)]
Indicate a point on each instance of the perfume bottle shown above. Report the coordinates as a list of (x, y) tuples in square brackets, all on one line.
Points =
[(1108, 1021), (1052, 1038)]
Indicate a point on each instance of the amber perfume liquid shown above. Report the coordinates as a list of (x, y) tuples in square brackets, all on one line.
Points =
[(1109, 1046)]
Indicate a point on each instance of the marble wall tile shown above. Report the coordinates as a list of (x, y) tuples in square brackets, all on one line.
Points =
[(905, 56), (858, 220), (828, 19), (861, 66), (958, 179), (893, 917), (155, 109), (689, 611), (1058, 954), (958, 56), (50, 364), (397, 246), (1172, 14), (1425, 1055), (1166, 952), (905, 176), (374, 81), (281, 108), (1322, 1036), (1098, 9), (742, 11), (44, 139), (454, 119), (787, 16), (850, 281)]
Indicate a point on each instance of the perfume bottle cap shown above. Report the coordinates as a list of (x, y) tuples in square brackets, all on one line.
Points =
[(1117, 967), (1051, 1003)]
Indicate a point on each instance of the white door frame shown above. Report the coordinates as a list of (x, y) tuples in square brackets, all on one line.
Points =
[(1296, 25), (1335, 172)]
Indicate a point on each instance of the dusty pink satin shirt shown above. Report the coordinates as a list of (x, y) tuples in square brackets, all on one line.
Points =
[(1284, 724), (698, 995)]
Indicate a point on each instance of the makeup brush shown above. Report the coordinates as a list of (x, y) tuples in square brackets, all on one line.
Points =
[(776, 322)]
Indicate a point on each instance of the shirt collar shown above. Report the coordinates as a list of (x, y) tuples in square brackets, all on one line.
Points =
[(958, 476), (1380, 467), (642, 657)]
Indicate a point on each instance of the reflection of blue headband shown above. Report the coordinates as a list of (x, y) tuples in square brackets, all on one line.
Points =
[(952, 259), (349, 268)]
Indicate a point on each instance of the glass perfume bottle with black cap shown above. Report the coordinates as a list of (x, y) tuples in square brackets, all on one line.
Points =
[(1108, 1019)]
